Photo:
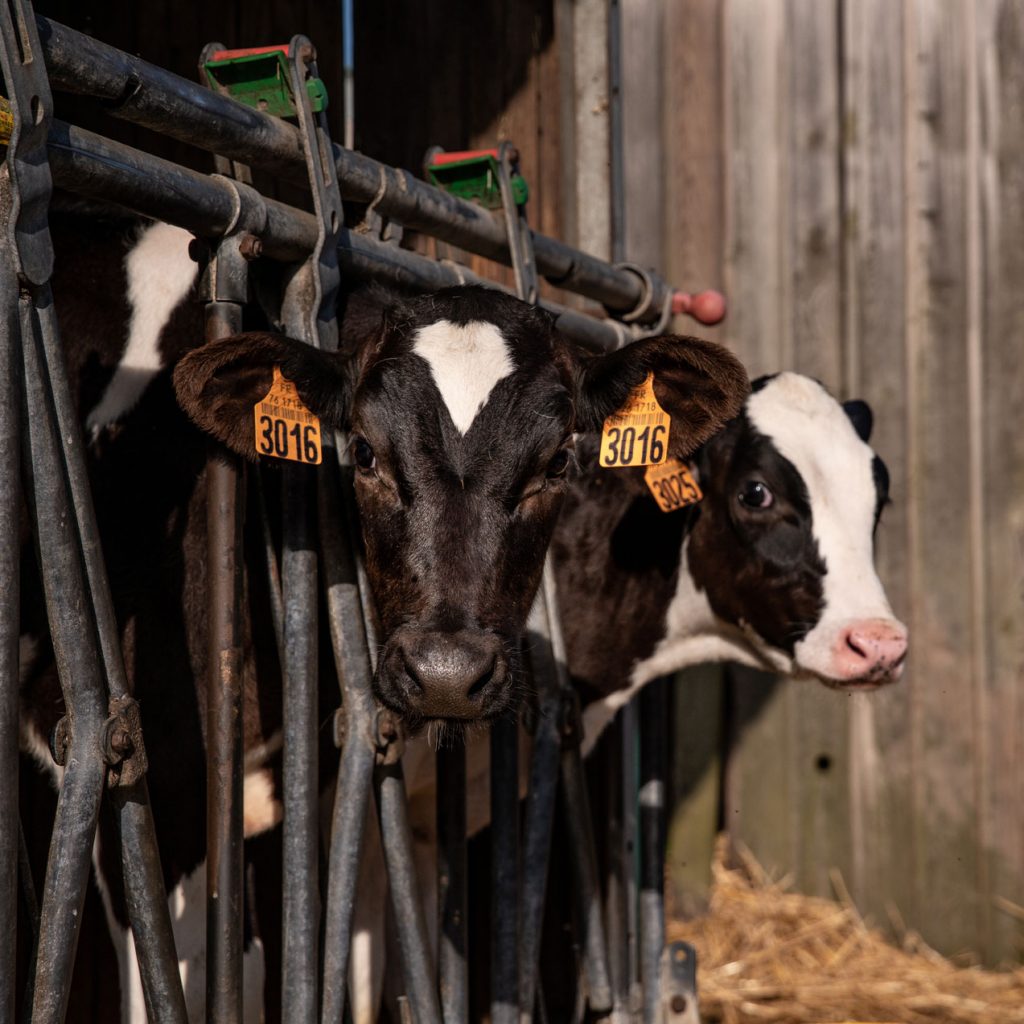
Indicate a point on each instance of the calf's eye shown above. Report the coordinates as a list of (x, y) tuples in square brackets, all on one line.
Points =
[(559, 464), (363, 455), (755, 494)]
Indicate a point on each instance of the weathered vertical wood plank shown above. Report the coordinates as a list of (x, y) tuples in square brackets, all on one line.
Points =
[(756, 246), (760, 800), (943, 721), (643, 138), (693, 195), (1000, 48), (796, 814), (820, 757), (874, 244)]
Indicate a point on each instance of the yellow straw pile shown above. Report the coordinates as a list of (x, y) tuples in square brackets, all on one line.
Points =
[(765, 954)]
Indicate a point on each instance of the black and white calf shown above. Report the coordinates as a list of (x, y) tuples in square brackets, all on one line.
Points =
[(462, 410), (773, 568)]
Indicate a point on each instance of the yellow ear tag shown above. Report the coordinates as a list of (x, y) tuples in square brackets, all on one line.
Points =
[(636, 435), (285, 428), (673, 485)]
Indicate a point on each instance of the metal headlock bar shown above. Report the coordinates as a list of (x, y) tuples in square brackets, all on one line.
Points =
[(147, 95), (237, 221), (82, 623)]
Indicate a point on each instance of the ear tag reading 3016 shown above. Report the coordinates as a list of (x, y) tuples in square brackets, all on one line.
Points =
[(636, 435), (673, 485), (285, 428)]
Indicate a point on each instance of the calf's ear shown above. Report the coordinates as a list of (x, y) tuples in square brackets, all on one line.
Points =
[(861, 417), (219, 384), (699, 384)]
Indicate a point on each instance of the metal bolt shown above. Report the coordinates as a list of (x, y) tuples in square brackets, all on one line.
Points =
[(250, 247), (60, 739), (678, 1004), (198, 250), (121, 742)]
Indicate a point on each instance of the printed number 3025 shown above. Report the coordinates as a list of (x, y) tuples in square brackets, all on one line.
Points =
[(276, 438)]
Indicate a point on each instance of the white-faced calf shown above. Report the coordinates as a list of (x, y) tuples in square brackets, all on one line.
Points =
[(773, 568)]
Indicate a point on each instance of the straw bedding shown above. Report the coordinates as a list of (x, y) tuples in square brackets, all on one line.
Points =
[(766, 954)]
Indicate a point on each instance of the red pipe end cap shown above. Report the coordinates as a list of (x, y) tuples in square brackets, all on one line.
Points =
[(705, 307)]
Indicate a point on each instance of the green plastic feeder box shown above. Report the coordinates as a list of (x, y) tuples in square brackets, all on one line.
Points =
[(473, 176), (260, 78)]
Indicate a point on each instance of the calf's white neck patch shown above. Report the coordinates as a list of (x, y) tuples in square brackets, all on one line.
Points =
[(466, 362)]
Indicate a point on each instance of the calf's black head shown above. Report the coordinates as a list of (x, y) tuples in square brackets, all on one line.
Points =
[(460, 410)]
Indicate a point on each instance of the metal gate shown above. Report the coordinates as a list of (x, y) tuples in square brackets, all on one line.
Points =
[(625, 972)]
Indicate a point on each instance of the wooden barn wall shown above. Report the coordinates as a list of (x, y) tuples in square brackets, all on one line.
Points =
[(851, 172)]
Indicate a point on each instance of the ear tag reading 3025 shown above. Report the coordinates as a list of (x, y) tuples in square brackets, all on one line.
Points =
[(285, 428), (673, 485), (636, 435)]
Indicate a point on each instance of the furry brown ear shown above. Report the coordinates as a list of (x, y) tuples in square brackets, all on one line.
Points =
[(219, 384), (701, 385)]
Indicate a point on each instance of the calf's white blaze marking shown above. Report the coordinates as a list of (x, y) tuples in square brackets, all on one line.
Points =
[(810, 429), (466, 362), (160, 275)]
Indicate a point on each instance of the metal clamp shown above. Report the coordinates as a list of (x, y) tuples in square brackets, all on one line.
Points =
[(121, 743), (520, 238), (225, 273), (311, 299), (679, 984), (389, 737)]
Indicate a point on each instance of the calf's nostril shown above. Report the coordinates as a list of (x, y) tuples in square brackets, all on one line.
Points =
[(855, 646), (410, 671), (483, 680)]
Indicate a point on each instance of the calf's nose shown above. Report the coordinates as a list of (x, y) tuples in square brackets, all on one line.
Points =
[(873, 649), (453, 675)]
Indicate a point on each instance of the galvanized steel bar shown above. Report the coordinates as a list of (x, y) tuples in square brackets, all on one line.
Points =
[(97, 168), (583, 859), (616, 901), (505, 871), (10, 562), (301, 890), (653, 770), (73, 631), (224, 719), (144, 94), (355, 772), (392, 811), (145, 899), (548, 667), (452, 873)]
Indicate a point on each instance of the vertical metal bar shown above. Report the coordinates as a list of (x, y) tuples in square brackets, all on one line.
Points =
[(301, 896), (145, 898), (355, 773), (10, 501), (548, 665), (583, 859), (505, 871), (78, 660), (224, 720), (617, 912), (452, 870), (630, 849), (396, 836), (653, 765)]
